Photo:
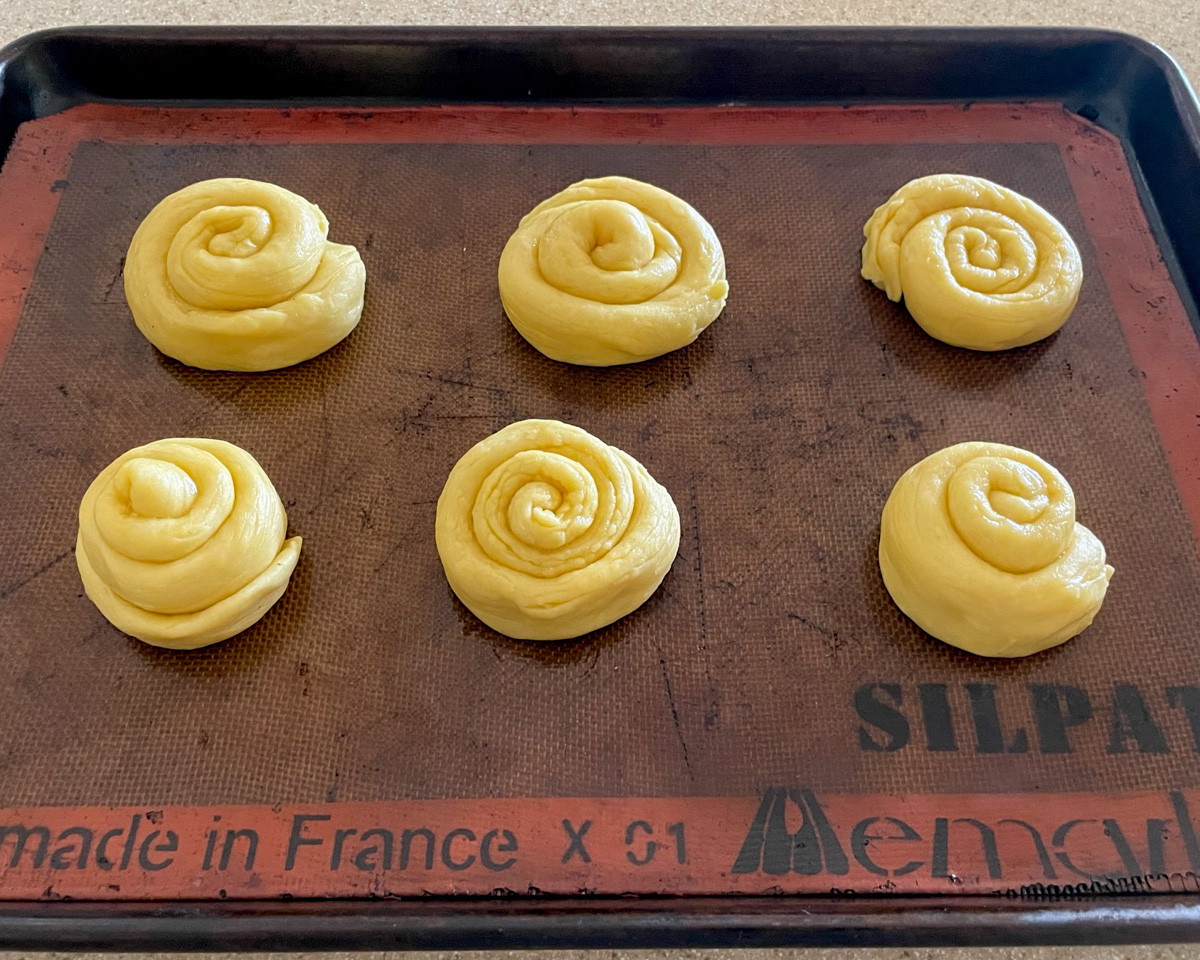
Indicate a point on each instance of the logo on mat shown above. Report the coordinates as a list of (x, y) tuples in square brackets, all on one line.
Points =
[(775, 850)]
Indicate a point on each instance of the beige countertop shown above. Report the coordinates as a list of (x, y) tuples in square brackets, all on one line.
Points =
[(1175, 24)]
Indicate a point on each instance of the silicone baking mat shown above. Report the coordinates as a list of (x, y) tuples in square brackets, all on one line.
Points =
[(768, 720)]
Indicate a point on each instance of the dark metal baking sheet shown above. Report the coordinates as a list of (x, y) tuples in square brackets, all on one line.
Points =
[(1120, 84)]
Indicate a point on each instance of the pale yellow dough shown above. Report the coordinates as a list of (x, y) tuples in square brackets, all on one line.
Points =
[(979, 546), (978, 265), (236, 274), (612, 271), (181, 542), (547, 533)]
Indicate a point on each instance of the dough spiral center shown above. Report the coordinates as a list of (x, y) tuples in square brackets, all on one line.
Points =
[(989, 252), (1016, 515), (547, 512), (156, 489), (238, 257), (165, 504), (608, 251)]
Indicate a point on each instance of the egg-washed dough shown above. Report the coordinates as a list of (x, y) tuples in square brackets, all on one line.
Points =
[(181, 542), (547, 533), (979, 546), (234, 274), (612, 271), (978, 265)]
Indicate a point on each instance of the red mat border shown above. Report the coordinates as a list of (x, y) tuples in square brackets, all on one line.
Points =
[(787, 841)]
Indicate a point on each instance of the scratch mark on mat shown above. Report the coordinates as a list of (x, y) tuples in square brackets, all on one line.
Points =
[(235, 392), (388, 556), (326, 495), (687, 762), (835, 641), (113, 282), (713, 711), (9, 591)]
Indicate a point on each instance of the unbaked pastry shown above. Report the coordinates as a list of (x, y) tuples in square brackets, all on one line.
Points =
[(612, 271), (979, 546), (236, 274), (547, 533), (181, 542), (978, 265)]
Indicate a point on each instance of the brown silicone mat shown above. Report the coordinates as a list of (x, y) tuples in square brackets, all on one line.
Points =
[(779, 433)]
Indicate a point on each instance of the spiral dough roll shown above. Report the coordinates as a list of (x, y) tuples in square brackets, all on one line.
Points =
[(979, 546), (978, 265), (181, 542), (612, 271), (236, 274), (547, 533)]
